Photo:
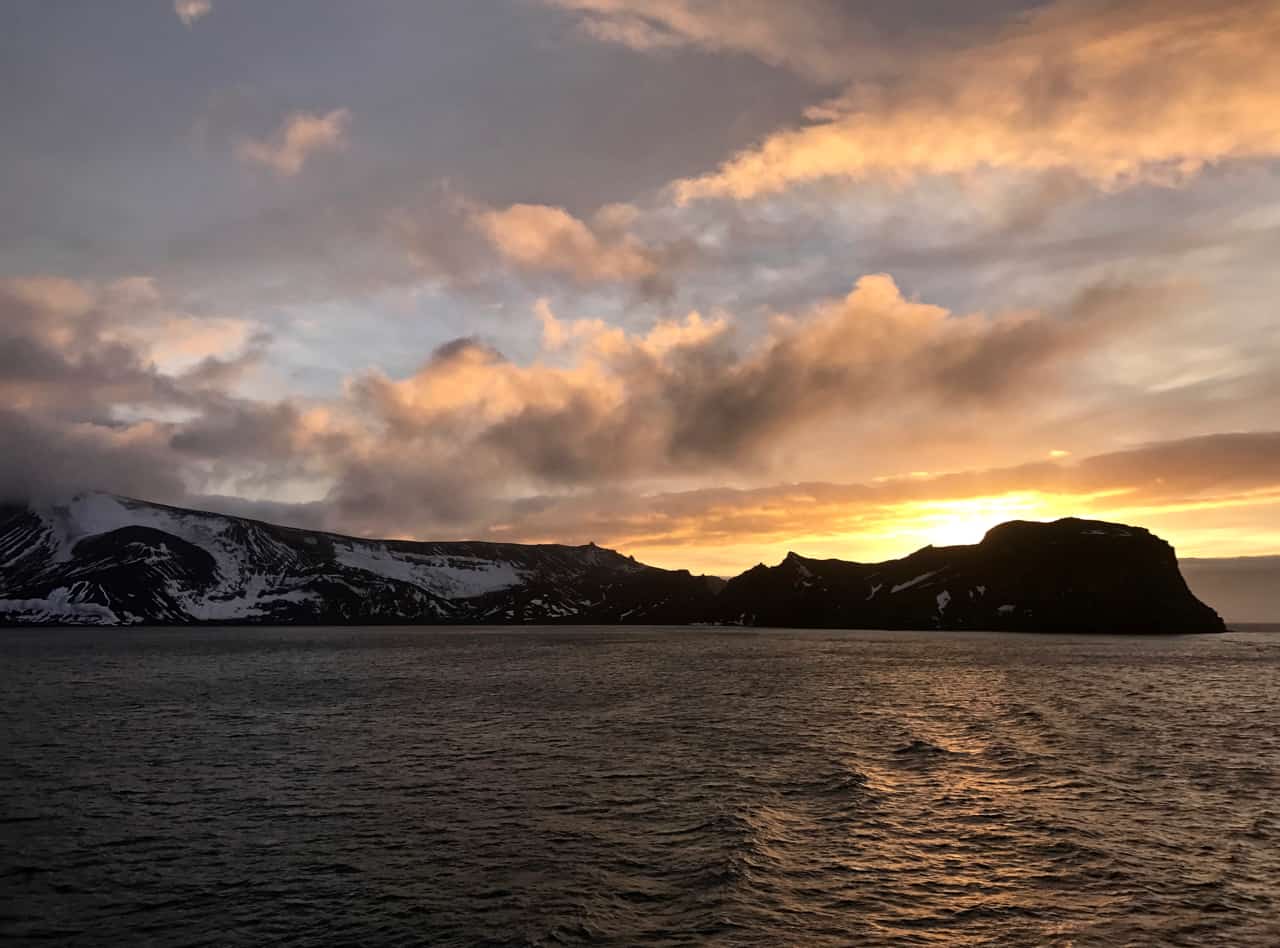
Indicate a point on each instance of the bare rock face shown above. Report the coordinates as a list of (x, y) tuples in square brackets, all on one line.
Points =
[(1068, 576), (104, 560)]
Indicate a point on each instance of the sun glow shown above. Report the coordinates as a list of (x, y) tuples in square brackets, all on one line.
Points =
[(856, 532), (899, 529), (952, 522)]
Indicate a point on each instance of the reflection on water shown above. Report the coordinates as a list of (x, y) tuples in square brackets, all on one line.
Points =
[(660, 786)]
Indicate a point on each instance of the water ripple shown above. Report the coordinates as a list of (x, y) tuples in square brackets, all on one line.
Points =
[(667, 787)]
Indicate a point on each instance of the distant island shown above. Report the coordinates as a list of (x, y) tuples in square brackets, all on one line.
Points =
[(105, 560)]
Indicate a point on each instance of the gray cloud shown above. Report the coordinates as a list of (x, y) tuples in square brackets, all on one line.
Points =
[(812, 37), (476, 445), (492, 171), (47, 460), (89, 405), (1214, 467), (687, 399), (453, 447), (1140, 481), (827, 41)]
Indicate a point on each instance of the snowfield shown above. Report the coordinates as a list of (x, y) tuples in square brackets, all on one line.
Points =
[(100, 559)]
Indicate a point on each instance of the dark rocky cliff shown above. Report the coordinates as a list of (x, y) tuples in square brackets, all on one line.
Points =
[(110, 561), (1067, 576)]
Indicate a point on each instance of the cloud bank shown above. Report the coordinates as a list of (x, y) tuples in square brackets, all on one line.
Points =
[(1151, 91), (825, 255)]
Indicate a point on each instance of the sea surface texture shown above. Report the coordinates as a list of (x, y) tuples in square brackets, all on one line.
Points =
[(656, 786)]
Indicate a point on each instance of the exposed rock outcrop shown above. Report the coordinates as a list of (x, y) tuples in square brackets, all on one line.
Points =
[(1067, 576), (107, 560)]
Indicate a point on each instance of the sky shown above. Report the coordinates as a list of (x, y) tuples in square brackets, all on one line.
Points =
[(701, 280)]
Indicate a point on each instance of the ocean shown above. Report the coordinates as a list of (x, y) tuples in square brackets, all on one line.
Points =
[(655, 786)]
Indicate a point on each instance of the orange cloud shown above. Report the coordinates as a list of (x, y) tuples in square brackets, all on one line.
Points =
[(1150, 91), (688, 399), (593, 437), (300, 136), (1217, 495), (536, 237)]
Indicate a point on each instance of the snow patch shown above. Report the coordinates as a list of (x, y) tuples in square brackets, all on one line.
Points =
[(913, 582), (60, 605), (450, 577), (249, 601), (95, 513)]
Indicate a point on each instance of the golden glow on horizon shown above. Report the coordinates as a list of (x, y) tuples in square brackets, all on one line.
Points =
[(1246, 499), (711, 544), (953, 522)]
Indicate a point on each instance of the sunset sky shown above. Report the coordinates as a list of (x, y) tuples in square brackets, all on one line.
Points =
[(700, 280)]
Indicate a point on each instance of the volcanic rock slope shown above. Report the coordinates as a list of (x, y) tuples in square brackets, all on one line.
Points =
[(1067, 576), (105, 560)]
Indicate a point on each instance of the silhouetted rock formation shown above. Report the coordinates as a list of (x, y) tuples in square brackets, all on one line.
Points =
[(107, 560), (1067, 576)]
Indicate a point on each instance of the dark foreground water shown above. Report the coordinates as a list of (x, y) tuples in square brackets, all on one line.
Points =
[(655, 786)]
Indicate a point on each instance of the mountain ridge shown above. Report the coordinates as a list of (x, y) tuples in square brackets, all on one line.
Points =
[(1068, 575), (101, 559)]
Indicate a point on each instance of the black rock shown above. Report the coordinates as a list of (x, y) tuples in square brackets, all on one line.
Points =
[(1067, 576), (107, 561)]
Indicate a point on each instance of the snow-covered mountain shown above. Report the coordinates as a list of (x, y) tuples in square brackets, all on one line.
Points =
[(105, 560)]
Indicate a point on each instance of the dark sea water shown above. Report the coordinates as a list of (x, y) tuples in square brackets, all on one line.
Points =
[(649, 786)]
